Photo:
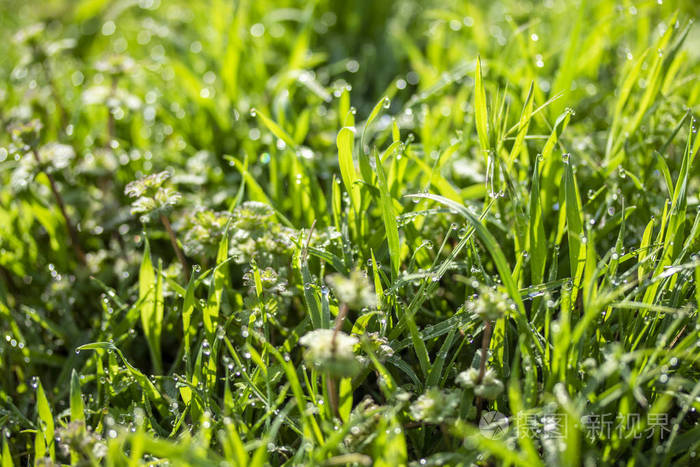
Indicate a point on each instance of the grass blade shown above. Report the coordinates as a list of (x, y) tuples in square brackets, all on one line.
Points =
[(480, 110), (44, 438), (345, 142), (151, 296), (390, 225)]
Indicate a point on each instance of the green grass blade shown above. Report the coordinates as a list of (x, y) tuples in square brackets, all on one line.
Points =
[(390, 225), (275, 128), (150, 294), (77, 408), (6, 455), (480, 110), (537, 240), (44, 440), (574, 223), (210, 314), (345, 143), (523, 125)]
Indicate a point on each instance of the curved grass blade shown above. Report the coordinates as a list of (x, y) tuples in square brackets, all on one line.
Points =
[(345, 142)]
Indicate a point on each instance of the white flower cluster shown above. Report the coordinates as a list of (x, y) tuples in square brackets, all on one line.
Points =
[(490, 387), (151, 196), (331, 352), (435, 406), (355, 291), (491, 304)]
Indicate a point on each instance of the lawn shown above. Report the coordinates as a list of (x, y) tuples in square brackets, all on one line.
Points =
[(276, 232)]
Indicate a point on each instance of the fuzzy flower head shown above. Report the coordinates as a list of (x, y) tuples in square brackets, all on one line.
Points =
[(490, 386), (354, 291), (56, 156), (491, 304), (204, 229), (151, 197), (256, 234), (115, 99), (27, 134), (253, 214), (115, 65), (435, 406), (334, 356)]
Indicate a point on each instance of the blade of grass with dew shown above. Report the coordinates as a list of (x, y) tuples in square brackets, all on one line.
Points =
[(480, 111), (311, 428), (146, 384), (210, 314), (310, 297), (77, 409), (523, 125), (437, 366), (188, 304), (550, 180), (574, 223), (365, 168), (151, 294), (44, 440), (515, 398), (390, 225), (496, 253), (344, 141), (537, 240)]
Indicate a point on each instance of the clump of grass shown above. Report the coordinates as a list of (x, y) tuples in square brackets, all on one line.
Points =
[(475, 243)]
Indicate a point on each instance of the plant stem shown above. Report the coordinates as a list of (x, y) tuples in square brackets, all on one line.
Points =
[(332, 390), (485, 341), (340, 317), (75, 242), (176, 247), (333, 396)]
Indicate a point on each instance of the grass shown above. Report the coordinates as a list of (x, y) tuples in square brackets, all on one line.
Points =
[(327, 233)]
